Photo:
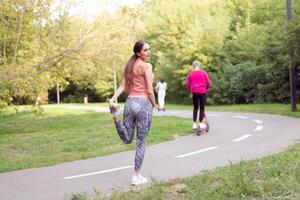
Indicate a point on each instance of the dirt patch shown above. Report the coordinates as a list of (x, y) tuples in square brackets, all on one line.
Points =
[(176, 191)]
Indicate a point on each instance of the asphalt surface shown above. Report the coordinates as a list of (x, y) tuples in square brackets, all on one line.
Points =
[(233, 137)]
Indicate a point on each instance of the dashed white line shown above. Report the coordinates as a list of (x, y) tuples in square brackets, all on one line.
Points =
[(175, 113), (196, 152), (98, 172), (215, 115), (240, 116), (259, 128), (257, 121), (241, 138)]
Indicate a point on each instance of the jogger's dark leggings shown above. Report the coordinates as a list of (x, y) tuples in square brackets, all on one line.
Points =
[(199, 99), (137, 115)]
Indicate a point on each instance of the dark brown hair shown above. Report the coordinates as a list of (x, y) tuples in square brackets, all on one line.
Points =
[(128, 71)]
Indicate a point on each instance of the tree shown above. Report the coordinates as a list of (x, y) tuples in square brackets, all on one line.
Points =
[(292, 62)]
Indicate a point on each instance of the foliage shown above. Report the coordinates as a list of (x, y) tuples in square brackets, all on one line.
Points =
[(242, 35), (43, 46)]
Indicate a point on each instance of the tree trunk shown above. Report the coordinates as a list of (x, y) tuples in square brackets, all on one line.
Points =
[(57, 93), (20, 26), (292, 70)]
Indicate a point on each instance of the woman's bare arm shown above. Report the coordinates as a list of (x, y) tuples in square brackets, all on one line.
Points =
[(119, 91), (149, 82)]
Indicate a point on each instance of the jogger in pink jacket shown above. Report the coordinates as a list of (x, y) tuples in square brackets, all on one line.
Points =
[(198, 82)]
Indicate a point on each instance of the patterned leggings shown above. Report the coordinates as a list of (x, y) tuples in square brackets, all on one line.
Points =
[(137, 114)]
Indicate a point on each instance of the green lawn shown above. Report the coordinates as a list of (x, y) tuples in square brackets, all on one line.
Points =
[(275, 177), (29, 139), (282, 109), (33, 139)]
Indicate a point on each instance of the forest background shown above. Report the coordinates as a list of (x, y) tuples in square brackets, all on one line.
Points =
[(242, 44)]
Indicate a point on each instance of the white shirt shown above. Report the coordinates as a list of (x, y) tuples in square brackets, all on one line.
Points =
[(161, 87)]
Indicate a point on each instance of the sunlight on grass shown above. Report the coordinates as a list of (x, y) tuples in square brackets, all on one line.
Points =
[(267, 178), (282, 109), (58, 135), (29, 139)]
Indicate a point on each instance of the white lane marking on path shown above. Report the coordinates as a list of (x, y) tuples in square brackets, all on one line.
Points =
[(215, 115), (175, 112), (259, 128), (241, 138), (196, 152), (257, 121), (98, 172), (240, 116)]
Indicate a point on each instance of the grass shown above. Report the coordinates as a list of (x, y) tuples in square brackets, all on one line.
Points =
[(281, 109), (275, 177), (32, 139), (272, 108)]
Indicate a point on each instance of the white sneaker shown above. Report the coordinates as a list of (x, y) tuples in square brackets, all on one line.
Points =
[(202, 126), (137, 180), (194, 125), (117, 110)]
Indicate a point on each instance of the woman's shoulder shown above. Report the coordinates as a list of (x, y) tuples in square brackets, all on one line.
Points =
[(201, 71), (146, 67), (149, 66), (197, 73), (193, 72), (204, 72)]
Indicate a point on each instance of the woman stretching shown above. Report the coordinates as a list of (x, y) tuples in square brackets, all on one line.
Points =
[(137, 81)]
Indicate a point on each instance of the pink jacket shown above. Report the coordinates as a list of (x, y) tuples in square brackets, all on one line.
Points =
[(198, 81)]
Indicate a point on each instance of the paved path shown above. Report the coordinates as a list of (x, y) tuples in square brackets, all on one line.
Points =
[(232, 137)]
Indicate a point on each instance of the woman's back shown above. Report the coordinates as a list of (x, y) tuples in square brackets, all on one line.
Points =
[(139, 85), (198, 81)]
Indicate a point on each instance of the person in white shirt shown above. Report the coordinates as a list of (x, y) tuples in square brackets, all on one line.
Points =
[(161, 88)]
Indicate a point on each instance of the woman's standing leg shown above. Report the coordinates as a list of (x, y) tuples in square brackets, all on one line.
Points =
[(202, 106), (161, 99), (144, 119), (196, 106)]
